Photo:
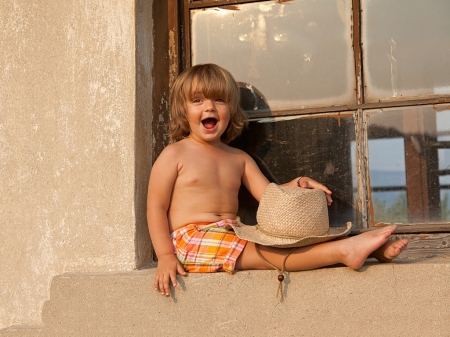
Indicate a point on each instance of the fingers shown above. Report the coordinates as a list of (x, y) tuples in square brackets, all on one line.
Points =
[(164, 278), (307, 182), (156, 284), (181, 270), (329, 200), (162, 284), (173, 276), (311, 183)]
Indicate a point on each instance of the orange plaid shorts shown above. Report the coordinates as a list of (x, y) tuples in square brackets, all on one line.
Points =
[(207, 248)]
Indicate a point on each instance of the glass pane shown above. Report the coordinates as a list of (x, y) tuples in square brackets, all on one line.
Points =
[(388, 179), (287, 56), (406, 48), (445, 204), (409, 164), (318, 147)]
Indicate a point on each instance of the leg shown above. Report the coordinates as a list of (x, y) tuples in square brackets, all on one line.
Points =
[(351, 251)]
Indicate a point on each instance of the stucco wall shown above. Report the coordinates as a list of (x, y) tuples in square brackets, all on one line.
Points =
[(67, 145)]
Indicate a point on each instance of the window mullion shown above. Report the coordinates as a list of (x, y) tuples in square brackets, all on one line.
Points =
[(357, 50), (363, 214), (215, 3)]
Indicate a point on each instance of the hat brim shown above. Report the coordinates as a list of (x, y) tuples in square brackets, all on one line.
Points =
[(251, 233)]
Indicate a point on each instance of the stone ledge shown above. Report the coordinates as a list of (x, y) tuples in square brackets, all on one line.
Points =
[(22, 331), (408, 298)]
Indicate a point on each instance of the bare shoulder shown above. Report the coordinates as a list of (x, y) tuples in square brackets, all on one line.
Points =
[(236, 151), (178, 154), (244, 157), (171, 151)]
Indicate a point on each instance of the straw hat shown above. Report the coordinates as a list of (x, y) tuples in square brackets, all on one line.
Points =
[(291, 217)]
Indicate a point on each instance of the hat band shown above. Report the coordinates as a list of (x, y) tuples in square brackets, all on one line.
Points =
[(281, 236)]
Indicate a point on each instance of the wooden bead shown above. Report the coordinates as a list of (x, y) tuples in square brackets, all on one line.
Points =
[(281, 278)]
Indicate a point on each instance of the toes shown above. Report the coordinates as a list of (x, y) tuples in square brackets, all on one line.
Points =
[(392, 229), (388, 230), (401, 244), (397, 248)]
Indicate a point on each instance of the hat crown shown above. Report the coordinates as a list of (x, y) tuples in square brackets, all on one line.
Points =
[(293, 212)]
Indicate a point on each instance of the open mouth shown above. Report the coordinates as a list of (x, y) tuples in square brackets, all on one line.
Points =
[(209, 123)]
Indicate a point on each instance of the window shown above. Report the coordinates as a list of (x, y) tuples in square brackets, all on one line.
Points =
[(354, 93)]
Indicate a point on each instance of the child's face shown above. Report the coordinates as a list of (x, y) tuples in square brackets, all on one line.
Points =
[(208, 117)]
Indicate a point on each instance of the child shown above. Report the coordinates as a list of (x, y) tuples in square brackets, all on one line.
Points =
[(193, 192)]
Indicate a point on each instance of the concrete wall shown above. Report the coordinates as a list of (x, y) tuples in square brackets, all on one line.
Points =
[(72, 161)]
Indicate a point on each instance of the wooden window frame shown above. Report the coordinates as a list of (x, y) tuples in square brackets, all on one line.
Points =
[(172, 55)]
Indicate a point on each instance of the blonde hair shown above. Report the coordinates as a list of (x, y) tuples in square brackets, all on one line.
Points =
[(215, 82)]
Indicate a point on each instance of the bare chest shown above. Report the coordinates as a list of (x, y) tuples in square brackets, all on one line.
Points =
[(211, 171)]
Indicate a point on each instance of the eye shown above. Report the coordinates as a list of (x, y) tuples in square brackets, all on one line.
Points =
[(221, 100), (196, 100)]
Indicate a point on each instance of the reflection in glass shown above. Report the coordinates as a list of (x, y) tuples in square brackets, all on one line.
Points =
[(406, 48), (409, 160), (388, 180), (318, 147), (297, 54), (445, 202)]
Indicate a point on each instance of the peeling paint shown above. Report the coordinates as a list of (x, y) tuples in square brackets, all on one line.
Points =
[(229, 7), (337, 115), (173, 55), (441, 107)]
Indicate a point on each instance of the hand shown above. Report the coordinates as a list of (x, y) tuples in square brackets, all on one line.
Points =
[(306, 182), (168, 267)]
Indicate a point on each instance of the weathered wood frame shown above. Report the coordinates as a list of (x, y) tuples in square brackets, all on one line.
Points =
[(172, 54)]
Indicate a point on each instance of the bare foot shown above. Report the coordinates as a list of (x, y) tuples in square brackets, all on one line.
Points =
[(359, 247), (389, 250)]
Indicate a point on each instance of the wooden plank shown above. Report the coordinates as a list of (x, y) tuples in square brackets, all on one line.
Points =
[(165, 68), (423, 100), (364, 212), (410, 229), (161, 78), (423, 228), (425, 240), (357, 52), (186, 35), (174, 40), (425, 246), (215, 3)]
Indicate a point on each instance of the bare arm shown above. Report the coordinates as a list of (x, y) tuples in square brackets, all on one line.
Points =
[(162, 179), (253, 179), (256, 183)]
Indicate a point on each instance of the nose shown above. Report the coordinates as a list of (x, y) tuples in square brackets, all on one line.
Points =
[(210, 105)]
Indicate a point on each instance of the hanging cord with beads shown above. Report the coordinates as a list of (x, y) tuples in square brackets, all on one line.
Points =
[(280, 272)]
